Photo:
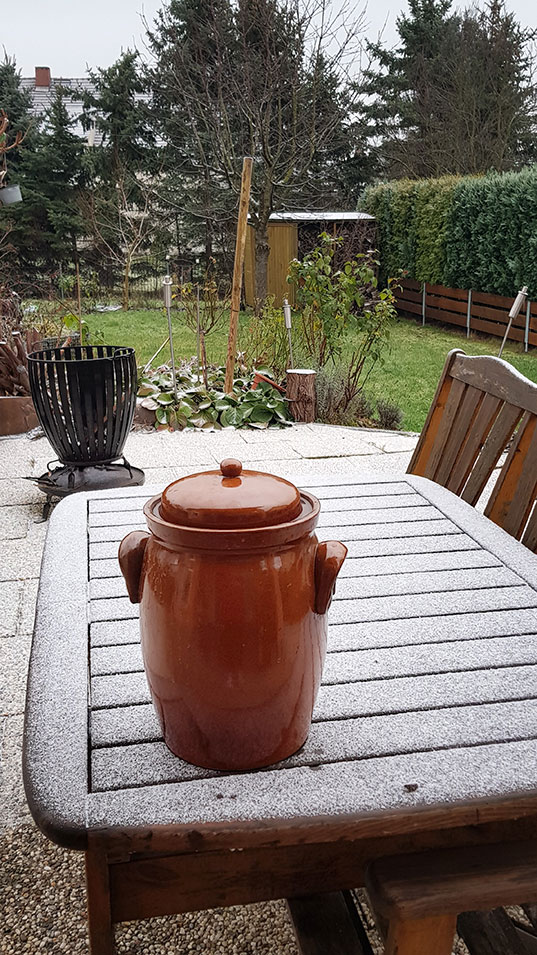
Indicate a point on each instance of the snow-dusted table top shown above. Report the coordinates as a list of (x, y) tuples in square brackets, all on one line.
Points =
[(429, 695)]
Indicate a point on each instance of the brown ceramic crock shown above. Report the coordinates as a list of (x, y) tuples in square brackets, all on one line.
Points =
[(233, 587)]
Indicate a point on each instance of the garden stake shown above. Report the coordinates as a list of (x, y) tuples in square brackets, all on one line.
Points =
[(198, 325), (287, 317), (515, 308), (158, 351), (237, 271), (167, 290)]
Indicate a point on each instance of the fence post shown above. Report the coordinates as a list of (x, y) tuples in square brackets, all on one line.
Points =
[(469, 313), (423, 298), (527, 328)]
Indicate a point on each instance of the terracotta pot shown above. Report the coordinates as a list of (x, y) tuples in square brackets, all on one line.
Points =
[(233, 587), (17, 414)]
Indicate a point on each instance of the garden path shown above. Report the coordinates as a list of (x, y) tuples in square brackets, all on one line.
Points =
[(44, 893)]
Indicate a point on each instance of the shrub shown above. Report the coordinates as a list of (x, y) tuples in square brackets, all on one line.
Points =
[(390, 415), (331, 408), (264, 341), (475, 232)]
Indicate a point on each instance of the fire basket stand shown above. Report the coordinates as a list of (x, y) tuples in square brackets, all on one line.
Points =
[(85, 399)]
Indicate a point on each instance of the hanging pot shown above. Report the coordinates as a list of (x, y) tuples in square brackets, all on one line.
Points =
[(234, 589), (9, 195)]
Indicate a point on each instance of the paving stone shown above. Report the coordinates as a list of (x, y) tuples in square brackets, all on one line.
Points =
[(313, 447), (18, 491), (29, 599), (20, 457), (19, 560), (270, 451), (14, 656), (13, 522), (9, 608), (15, 810), (390, 442)]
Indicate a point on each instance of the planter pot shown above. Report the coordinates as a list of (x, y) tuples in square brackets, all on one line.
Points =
[(85, 398), (17, 415), (9, 195)]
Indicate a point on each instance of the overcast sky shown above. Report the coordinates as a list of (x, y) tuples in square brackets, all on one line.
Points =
[(69, 35)]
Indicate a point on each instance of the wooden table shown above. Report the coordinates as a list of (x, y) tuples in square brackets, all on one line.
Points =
[(424, 733)]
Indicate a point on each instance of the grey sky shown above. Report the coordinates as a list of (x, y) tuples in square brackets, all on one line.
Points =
[(67, 35)]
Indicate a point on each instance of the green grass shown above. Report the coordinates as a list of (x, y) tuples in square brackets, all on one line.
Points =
[(408, 375)]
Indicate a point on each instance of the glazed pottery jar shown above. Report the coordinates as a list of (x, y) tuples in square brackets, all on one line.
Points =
[(233, 587)]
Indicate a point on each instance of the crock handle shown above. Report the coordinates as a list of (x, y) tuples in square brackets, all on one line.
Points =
[(131, 556), (328, 560)]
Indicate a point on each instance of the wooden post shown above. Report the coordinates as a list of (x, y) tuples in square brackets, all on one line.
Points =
[(422, 936), (100, 928), (237, 270), (423, 302), (527, 326), (301, 393), (469, 313)]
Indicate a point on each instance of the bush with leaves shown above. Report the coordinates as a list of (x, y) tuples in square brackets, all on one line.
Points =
[(264, 342), (208, 407), (390, 415), (341, 314), (467, 232)]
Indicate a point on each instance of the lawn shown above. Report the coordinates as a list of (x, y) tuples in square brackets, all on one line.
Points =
[(408, 375)]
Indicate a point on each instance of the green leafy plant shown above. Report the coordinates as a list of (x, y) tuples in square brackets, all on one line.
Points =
[(209, 407), (264, 342), (331, 409), (464, 232), (338, 306)]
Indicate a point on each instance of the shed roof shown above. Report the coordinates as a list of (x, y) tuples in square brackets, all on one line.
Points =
[(318, 216)]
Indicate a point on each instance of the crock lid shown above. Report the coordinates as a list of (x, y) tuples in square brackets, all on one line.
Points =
[(230, 498)]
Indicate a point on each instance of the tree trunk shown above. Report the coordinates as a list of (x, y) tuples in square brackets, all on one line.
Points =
[(301, 394), (261, 264)]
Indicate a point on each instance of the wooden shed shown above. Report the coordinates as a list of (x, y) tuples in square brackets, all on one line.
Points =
[(292, 234)]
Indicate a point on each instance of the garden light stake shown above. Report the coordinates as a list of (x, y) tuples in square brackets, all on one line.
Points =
[(167, 291), (515, 309), (287, 317)]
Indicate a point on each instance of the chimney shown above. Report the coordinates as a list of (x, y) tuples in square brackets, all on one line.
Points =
[(42, 76)]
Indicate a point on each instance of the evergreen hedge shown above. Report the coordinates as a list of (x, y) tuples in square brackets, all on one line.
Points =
[(476, 232)]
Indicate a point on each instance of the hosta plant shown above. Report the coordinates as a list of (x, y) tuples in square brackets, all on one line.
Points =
[(208, 407)]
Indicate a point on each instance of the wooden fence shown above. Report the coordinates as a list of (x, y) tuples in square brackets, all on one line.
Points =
[(471, 311)]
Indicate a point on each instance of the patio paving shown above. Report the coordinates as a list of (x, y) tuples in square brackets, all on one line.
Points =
[(43, 894)]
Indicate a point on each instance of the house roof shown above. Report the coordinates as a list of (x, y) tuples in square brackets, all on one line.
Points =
[(42, 97)]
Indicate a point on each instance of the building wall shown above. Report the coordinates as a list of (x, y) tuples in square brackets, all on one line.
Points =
[(283, 245)]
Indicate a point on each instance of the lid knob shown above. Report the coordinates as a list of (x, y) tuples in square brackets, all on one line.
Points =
[(230, 467)]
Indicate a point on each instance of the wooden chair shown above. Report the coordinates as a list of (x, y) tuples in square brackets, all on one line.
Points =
[(481, 406), (420, 895)]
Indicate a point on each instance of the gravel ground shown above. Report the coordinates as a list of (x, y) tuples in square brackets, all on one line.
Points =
[(43, 909)]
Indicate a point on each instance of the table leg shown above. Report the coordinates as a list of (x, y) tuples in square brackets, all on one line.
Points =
[(100, 928), (430, 936)]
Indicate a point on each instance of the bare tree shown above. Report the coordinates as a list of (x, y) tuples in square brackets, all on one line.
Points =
[(264, 78), (121, 220)]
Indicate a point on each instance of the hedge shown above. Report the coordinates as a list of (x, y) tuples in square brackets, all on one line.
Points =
[(476, 232)]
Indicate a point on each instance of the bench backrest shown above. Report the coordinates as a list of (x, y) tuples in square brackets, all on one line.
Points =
[(481, 407)]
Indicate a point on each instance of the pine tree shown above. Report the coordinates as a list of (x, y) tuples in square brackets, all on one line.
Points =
[(456, 96), (46, 224)]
